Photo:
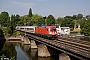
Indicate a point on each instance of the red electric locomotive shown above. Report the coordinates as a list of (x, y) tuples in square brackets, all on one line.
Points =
[(46, 31)]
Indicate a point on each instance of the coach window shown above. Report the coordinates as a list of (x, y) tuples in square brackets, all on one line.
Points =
[(30, 29)]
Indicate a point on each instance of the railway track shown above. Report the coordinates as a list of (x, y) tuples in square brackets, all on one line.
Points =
[(67, 45)]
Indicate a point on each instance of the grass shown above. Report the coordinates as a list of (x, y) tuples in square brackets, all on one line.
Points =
[(75, 31)]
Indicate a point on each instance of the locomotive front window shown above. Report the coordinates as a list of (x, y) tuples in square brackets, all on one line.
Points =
[(52, 29)]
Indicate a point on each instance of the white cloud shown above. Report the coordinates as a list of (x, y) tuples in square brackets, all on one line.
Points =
[(41, 0), (22, 4)]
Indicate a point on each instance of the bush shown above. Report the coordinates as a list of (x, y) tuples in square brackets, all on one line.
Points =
[(85, 27)]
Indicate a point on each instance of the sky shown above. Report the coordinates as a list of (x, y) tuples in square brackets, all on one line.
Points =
[(57, 8)]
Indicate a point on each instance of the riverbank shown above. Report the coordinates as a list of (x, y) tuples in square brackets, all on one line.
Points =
[(11, 39)]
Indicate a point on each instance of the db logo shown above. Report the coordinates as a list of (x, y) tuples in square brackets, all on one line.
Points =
[(4, 58)]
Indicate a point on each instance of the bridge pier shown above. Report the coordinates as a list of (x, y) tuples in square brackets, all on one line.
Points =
[(26, 47), (43, 51), (40, 58), (33, 44), (22, 38), (26, 41), (64, 56), (33, 52)]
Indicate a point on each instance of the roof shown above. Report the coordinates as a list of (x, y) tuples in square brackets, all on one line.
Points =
[(25, 26)]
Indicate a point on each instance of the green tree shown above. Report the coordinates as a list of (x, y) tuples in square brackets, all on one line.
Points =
[(23, 20), (50, 20), (85, 27), (17, 19), (79, 16), (12, 25), (68, 17), (29, 22), (75, 23), (88, 16), (4, 17), (82, 23), (30, 12), (74, 17), (68, 22), (41, 21), (59, 20), (34, 19)]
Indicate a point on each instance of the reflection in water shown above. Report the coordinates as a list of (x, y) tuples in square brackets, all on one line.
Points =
[(40, 58), (22, 52), (13, 49), (1, 33), (8, 50), (33, 53), (2, 39)]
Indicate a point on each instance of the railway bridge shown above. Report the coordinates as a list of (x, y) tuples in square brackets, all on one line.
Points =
[(77, 48)]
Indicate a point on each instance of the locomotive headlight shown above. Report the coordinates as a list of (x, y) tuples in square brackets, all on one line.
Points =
[(54, 32), (50, 32)]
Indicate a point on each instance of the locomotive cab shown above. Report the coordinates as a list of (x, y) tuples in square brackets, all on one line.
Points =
[(46, 31), (52, 31)]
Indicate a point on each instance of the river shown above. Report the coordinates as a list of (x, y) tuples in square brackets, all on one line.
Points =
[(18, 51)]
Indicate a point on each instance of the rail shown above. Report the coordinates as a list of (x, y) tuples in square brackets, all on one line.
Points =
[(78, 47)]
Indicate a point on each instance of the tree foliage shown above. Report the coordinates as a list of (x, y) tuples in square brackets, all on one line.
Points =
[(79, 16), (35, 18), (9, 51), (50, 20), (23, 20), (85, 27), (74, 17), (67, 22), (40, 22), (9, 23), (88, 16), (4, 19), (17, 19), (59, 20), (13, 24), (30, 12)]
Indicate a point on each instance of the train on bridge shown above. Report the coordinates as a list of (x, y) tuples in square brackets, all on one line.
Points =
[(45, 31), (77, 48)]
